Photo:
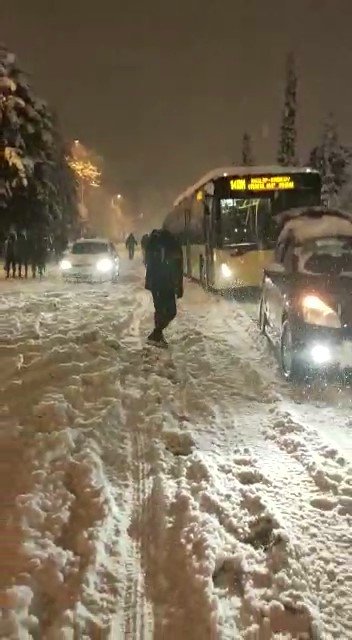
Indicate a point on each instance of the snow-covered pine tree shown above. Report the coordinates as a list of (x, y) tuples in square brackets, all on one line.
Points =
[(36, 182), (247, 153), (288, 135), (12, 162), (332, 160)]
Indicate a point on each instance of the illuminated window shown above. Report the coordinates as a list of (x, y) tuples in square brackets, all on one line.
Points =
[(238, 220)]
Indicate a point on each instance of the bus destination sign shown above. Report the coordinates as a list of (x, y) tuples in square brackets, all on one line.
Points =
[(262, 183)]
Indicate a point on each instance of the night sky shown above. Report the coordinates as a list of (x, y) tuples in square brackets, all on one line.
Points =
[(163, 89)]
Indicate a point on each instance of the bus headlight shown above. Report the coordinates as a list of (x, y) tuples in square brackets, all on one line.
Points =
[(104, 265), (65, 265), (225, 270)]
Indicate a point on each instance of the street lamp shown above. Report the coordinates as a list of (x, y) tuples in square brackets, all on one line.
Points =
[(116, 199)]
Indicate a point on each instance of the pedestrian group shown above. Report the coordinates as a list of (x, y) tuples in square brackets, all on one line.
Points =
[(24, 251)]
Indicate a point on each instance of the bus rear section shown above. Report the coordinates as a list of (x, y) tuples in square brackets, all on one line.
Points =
[(226, 222)]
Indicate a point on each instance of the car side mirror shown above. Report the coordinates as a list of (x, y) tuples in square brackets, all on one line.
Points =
[(276, 273), (276, 268)]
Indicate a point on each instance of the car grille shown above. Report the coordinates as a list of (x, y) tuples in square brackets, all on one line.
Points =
[(82, 266)]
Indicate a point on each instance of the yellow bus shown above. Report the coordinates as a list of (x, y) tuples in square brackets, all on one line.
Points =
[(226, 221)]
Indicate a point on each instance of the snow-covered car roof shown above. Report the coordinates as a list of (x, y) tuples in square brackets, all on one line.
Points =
[(224, 172), (309, 223), (91, 240)]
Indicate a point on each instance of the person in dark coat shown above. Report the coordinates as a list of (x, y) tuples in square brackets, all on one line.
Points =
[(144, 242), (22, 253), (60, 245), (10, 254), (39, 254), (164, 279), (131, 244)]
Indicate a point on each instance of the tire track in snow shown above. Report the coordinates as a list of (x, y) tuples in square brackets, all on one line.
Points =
[(138, 623), (222, 380), (87, 382)]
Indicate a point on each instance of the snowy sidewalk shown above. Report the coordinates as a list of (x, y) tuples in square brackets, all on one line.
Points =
[(166, 495)]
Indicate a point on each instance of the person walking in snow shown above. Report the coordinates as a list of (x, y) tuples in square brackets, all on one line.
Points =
[(144, 243), (164, 279), (22, 253), (10, 254), (131, 244)]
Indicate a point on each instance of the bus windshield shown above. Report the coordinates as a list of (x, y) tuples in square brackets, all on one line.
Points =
[(253, 219), (284, 200), (246, 220)]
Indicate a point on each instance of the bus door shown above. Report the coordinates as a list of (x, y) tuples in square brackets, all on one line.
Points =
[(208, 278), (187, 257)]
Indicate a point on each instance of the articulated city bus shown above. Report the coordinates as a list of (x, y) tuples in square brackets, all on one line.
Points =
[(226, 221)]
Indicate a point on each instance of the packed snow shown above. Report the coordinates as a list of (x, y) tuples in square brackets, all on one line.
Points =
[(305, 227), (187, 493)]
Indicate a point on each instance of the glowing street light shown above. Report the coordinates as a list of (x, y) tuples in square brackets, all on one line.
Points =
[(116, 200)]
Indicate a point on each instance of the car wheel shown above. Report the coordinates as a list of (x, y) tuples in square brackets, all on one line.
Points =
[(289, 361), (263, 321)]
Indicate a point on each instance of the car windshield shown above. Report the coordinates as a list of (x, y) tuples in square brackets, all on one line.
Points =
[(91, 248), (327, 256)]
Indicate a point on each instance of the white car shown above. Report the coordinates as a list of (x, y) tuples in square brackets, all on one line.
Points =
[(91, 260)]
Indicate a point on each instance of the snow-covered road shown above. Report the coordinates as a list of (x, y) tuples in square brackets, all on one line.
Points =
[(148, 494)]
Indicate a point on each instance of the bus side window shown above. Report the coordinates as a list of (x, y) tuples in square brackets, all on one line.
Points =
[(196, 222), (217, 227)]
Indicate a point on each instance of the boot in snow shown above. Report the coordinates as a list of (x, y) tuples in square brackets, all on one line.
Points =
[(157, 338)]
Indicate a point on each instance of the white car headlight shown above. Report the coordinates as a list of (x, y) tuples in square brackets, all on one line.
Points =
[(320, 354), (104, 265), (316, 311), (65, 265), (225, 270)]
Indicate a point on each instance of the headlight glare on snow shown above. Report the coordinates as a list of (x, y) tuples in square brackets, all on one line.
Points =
[(104, 265), (65, 265), (225, 270), (317, 312), (320, 354)]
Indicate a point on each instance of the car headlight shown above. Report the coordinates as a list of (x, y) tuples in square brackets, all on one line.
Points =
[(104, 265), (320, 354), (316, 311), (225, 270), (65, 265)]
